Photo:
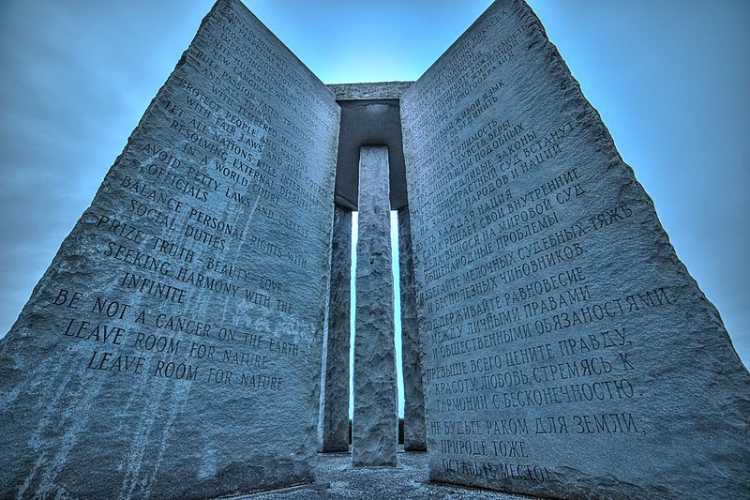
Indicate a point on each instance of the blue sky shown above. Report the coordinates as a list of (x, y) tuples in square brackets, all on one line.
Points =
[(669, 78)]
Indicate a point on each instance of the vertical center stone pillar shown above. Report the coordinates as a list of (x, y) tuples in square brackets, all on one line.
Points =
[(375, 425), (336, 398)]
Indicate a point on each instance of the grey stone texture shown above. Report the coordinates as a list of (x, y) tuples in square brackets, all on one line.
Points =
[(568, 352), (337, 480), (375, 422), (336, 397), (172, 348), (369, 90), (411, 349)]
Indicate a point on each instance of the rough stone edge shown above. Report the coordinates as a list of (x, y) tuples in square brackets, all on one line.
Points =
[(340, 276), (415, 437), (369, 90), (242, 5)]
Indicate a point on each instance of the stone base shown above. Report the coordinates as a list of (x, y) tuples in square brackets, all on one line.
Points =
[(336, 479)]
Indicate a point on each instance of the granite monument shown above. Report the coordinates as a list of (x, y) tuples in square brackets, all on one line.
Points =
[(191, 337)]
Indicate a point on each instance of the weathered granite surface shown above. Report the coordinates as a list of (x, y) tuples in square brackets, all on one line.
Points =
[(375, 422), (568, 351), (336, 479), (369, 90), (411, 357), (172, 348), (336, 397)]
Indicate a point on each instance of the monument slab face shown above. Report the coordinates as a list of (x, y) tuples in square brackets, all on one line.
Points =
[(172, 348), (568, 352), (375, 419)]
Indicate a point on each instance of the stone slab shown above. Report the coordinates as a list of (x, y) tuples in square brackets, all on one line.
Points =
[(364, 123), (375, 422), (369, 90), (411, 348), (569, 353), (336, 396), (172, 348)]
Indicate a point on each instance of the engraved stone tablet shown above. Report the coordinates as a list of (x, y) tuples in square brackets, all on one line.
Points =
[(568, 351), (172, 348)]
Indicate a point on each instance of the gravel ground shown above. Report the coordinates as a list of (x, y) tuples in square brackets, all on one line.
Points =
[(336, 479)]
